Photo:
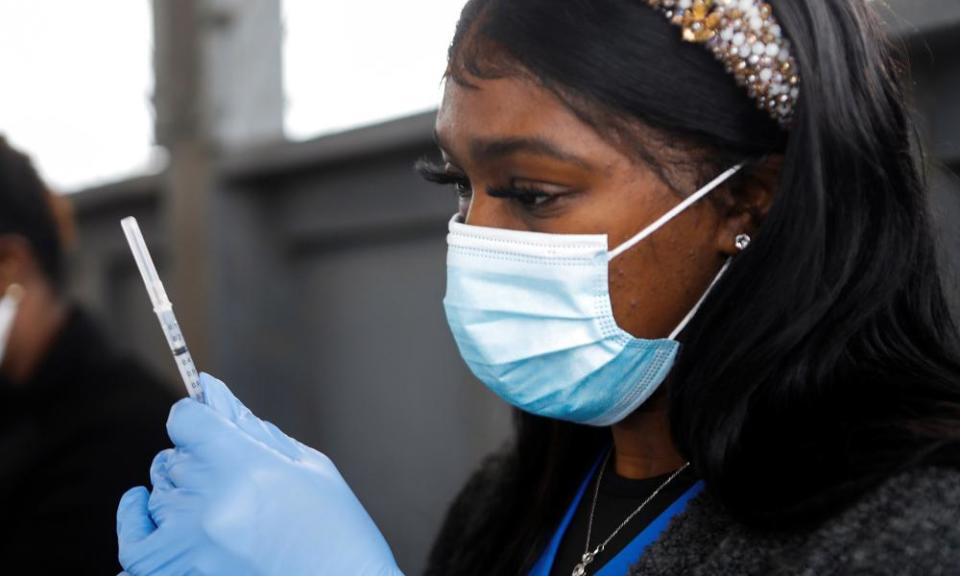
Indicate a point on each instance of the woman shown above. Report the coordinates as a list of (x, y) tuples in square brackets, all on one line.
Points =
[(70, 401), (634, 175)]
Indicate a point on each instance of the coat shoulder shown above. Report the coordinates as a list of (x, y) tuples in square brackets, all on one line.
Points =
[(907, 525)]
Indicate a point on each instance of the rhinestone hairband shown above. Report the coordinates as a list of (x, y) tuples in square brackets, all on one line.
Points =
[(744, 35)]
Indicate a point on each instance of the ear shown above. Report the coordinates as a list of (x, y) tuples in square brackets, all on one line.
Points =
[(17, 263), (62, 210), (746, 205)]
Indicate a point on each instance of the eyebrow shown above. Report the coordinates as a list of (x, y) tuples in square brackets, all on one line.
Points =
[(498, 148)]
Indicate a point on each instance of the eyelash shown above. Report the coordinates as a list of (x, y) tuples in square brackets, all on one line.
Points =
[(527, 196)]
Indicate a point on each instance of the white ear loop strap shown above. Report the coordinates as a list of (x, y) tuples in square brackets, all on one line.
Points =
[(673, 212), (686, 319)]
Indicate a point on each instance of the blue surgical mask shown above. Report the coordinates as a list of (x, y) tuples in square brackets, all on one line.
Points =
[(532, 317)]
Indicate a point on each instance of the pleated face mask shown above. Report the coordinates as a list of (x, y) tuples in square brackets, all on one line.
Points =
[(532, 317)]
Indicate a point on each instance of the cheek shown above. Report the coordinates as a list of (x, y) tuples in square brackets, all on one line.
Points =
[(640, 290), (654, 285)]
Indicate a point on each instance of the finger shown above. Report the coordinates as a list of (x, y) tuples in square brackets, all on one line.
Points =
[(217, 396), (133, 518), (269, 435), (184, 470), (197, 428), (166, 505), (159, 476), (276, 439), (202, 471), (223, 401)]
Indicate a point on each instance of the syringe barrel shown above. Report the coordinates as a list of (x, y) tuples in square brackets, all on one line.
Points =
[(181, 355), (162, 308)]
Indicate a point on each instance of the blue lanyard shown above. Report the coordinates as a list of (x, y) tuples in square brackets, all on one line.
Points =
[(619, 564)]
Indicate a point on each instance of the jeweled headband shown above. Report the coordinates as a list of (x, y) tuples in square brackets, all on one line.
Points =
[(744, 35)]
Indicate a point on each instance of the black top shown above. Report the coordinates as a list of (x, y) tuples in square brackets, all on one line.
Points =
[(72, 440), (617, 499)]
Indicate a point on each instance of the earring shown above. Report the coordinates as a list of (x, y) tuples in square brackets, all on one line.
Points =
[(742, 241)]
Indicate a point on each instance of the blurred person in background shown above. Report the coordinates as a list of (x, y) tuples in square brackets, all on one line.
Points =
[(693, 249), (78, 421)]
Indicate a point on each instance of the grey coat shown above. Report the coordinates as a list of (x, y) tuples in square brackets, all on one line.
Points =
[(910, 525)]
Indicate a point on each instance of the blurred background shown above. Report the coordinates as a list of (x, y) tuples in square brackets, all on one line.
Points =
[(266, 148)]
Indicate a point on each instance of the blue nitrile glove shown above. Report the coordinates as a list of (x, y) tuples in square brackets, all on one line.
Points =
[(238, 497)]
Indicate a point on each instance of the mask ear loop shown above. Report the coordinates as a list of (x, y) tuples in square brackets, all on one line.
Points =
[(643, 234), (686, 319), (9, 303), (670, 215)]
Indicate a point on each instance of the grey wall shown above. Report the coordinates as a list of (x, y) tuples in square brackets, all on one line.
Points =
[(327, 275)]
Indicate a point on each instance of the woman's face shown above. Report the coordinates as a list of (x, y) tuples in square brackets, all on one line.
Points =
[(528, 163)]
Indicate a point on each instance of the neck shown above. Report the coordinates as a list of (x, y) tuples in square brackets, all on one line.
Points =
[(642, 445)]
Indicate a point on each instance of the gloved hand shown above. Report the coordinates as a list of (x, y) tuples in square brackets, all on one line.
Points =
[(238, 497)]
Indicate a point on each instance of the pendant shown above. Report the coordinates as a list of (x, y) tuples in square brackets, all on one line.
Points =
[(581, 568)]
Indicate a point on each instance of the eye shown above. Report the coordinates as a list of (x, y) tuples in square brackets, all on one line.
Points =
[(462, 187), (526, 195), (440, 174), (529, 197)]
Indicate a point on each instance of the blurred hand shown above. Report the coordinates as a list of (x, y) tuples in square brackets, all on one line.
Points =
[(236, 496)]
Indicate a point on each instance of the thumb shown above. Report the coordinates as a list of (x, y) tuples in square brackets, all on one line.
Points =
[(133, 520)]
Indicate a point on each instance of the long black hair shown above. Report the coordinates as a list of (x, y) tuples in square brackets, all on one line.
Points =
[(826, 359)]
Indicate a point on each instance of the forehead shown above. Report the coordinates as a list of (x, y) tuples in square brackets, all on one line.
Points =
[(510, 106)]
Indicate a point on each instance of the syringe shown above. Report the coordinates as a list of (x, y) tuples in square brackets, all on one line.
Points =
[(162, 308)]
